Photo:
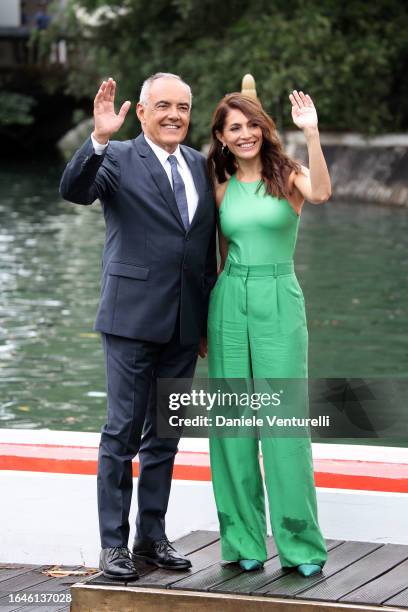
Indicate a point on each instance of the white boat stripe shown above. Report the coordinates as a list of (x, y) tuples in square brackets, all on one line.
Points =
[(356, 452)]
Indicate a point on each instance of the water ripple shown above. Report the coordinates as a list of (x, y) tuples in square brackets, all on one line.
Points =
[(352, 263)]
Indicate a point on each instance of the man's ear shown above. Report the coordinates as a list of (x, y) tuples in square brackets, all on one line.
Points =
[(140, 109)]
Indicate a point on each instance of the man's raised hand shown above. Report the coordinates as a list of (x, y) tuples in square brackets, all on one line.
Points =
[(107, 122)]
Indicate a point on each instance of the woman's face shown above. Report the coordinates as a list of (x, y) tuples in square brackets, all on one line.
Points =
[(241, 135)]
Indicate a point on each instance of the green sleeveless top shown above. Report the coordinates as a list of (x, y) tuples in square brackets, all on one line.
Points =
[(259, 228)]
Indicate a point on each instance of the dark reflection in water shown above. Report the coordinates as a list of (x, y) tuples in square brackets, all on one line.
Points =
[(352, 262)]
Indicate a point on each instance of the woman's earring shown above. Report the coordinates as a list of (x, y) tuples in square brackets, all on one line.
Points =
[(224, 150)]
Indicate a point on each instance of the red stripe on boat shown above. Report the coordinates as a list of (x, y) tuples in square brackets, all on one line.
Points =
[(330, 473)]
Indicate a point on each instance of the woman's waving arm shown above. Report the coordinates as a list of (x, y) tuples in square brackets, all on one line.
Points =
[(314, 184)]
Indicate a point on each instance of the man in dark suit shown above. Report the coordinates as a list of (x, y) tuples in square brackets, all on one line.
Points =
[(158, 268)]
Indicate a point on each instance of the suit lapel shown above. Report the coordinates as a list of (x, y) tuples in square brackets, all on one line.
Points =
[(158, 174), (160, 178)]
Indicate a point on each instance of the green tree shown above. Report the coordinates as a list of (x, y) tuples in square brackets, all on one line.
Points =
[(349, 57), (15, 109)]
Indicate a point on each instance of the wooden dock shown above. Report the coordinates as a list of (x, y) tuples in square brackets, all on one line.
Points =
[(358, 576), (21, 586)]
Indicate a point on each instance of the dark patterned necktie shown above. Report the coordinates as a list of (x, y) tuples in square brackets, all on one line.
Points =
[(179, 191)]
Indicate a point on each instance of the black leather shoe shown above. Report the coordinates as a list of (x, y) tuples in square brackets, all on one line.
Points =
[(116, 563), (160, 553)]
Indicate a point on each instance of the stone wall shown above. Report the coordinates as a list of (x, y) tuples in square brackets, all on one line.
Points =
[(368, 169)]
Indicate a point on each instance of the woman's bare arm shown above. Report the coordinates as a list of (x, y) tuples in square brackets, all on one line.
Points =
[(313, 183)]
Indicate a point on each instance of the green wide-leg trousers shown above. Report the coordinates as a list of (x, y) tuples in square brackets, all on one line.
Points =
[(257, 329)]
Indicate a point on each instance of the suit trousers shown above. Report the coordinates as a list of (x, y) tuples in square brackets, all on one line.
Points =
[(132, 370)]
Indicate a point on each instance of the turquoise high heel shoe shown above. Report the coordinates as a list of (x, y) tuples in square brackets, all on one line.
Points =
[(308, 569), (250, 564)]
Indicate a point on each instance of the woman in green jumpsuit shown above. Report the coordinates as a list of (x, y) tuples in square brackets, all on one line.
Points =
[(257, 327)]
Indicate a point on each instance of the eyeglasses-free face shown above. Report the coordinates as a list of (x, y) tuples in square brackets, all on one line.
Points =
[(166, 115)]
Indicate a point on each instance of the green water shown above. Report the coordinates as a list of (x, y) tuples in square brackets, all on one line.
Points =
[(351, 260)]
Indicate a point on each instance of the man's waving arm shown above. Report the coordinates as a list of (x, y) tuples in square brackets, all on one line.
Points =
[(93, 171)]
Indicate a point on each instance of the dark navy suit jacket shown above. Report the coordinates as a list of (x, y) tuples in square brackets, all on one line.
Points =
[(152, 269)]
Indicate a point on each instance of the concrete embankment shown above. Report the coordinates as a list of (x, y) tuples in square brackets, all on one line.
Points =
[(362, 168), (367, 169)]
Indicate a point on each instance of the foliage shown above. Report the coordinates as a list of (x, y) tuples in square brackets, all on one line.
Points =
[(348, 56), (15, 109)]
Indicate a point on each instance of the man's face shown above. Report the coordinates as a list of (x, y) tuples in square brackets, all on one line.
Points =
[(166, 116)]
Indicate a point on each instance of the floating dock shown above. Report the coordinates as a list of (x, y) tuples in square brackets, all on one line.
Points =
[(358, 576)]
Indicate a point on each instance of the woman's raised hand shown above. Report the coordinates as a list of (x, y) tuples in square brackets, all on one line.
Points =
[(304, 114), (107, 122)]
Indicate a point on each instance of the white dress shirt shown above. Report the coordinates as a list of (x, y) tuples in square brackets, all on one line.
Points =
[(163, 157)]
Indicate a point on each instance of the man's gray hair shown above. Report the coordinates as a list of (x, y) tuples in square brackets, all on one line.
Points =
[(144, 92)]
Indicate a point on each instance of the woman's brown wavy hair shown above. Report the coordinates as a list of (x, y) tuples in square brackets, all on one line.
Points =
[(276, 165)]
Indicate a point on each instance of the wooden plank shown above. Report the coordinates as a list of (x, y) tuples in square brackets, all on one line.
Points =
[(87, 598), (186, 545), (247, 582), (200, 559), (398, 600), (357, 574), (48, 585), (218, 573), (195, 540), (209, 577), (22, 582), (141, 567), (57, 587), (384, 587), (49, 607), (251, 582), (339, 558), (10, 570)]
